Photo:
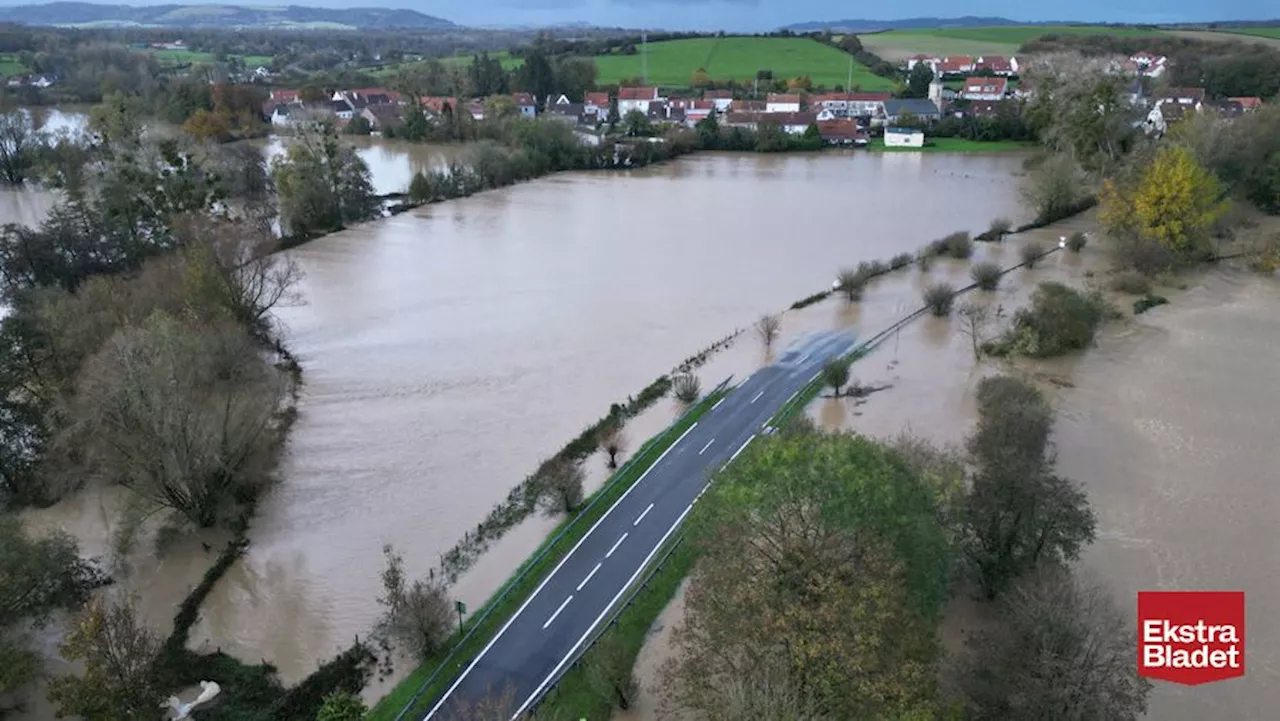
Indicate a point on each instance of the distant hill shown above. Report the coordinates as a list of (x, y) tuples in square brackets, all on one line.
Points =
[(870, 26), (79, 14)]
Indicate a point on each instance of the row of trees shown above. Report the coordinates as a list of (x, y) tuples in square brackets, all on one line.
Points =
[(825, 559)]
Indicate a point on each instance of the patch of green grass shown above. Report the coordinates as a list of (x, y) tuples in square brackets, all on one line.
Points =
[(504, 57), (897, 45), (392, 703), (10, 65), (956, 145), (172, 58), (672, 63), (1273, 33)]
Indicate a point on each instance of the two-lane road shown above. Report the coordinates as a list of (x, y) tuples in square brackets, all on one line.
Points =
[(548, 631)]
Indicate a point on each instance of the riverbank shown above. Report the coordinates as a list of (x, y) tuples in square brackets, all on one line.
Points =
[(957, 145)]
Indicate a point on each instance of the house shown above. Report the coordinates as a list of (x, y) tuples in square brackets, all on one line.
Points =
[(1229, 109), (985, 108), (782, 103), (848, 105), (280, 114), (791, 123), (1188, 98), (988, 88), (636, 99), (903, 138), (525, 103), (747, 106), (722, 99), (930, 60), (436, 105), (955, 65), (550, 100), (572, 113), (343, 108), (996, 65), (1163, 116), (699, 111), (844, 131), (596, 105), (1134, 93), (260, 73), (382, 117), (919, 108), (1145, 63), (1248, 104), (42, 81), (476, 108)]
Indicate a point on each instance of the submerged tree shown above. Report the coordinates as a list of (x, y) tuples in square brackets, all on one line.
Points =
[(417, 615), (614, 441), (118, 651), (767, 328), (321, 183), (560, 486)]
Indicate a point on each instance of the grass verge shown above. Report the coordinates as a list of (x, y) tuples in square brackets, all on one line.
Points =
[(508, 598), (955, 145)]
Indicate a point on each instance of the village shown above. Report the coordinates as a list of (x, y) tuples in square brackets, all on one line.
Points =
[(960, 87)]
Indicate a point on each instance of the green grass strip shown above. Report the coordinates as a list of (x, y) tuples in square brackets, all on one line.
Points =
[(522, 584)]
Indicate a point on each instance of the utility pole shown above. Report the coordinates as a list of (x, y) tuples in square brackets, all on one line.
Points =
[(644, 57)]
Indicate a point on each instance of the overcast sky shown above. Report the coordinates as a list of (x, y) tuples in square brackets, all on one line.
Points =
[(758, 15)]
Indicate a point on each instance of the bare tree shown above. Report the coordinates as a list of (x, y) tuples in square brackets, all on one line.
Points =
[(560, 483), (613, 441), (974, 321), (418, 616), (1062, 650), (768, 327), (494, 706), (178, 413), (687, 388), (118, 651)]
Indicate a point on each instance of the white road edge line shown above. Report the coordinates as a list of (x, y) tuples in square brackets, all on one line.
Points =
[(616, 544), (803, 358), (741, 448), (642, 515), (551, 575), (639, 570), (704, 448), (557, 613), (757, 396), (790, 398), (588, 578), (717, 405)]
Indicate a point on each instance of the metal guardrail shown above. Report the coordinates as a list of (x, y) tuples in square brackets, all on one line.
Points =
[(496, 601)]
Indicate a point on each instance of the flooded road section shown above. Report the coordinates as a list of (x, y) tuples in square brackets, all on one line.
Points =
[(451, 349)]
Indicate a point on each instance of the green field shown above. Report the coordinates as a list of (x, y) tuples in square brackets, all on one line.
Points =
[(187, 57), (1273, 33), (673, 62), (898, 45), (508, 63), (10, 65)]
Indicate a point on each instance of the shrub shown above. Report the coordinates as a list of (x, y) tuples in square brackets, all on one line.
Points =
[(1077, 241), (1059, 320), (924, 259), (901, 260), (986, 275), (835, 374), (687, 388), (959, 245), (937, 247), (810, 300), (1031, 253), (877, 267), (939, 297), (1147, 302), (1131, 282), (999, 228), (851, 283)]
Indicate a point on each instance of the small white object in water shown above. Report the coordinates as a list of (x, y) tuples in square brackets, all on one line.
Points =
[(1062, 241), (208, 690)]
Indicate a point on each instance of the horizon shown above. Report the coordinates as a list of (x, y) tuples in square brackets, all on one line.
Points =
[(753, 15)]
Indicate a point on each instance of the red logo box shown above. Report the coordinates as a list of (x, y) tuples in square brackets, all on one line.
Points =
[(1191, 637)]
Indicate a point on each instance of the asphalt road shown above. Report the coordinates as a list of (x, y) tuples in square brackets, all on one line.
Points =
[(547, 632)]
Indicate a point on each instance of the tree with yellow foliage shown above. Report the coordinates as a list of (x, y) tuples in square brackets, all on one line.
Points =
[(1174, 203)]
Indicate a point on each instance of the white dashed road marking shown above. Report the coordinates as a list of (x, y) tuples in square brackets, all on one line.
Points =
[(615, 545), (704, 448), (588, 578), (642, 515), (558, 610)]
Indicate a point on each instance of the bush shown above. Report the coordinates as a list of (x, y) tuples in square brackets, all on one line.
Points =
[(810, 300), (925, 259), (986, 275), (1147, 302), (1059, 320), (1077, 241), (835, 373), (1131, 282), (1031, 253), (851, 283), (959, 245), (999, 228), (939, 298), (900, 260), (937, 247), (687, 388)]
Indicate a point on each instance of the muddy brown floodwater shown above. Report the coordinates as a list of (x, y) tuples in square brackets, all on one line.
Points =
[(449, 350)]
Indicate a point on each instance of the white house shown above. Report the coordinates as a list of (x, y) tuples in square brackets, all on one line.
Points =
[(782, 103), (280, 115), (903, 138), (847, 105), (636, 99), (596, 105), (525, 103), (985, 88), (722, 99), (930, 60)]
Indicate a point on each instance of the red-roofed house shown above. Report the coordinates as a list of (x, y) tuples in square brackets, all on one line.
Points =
[(723, 99), (842, 132), (435, 104), (284, 96), (930, 60), (636, 99), (597, 105), (1249, 104), (525, 103), (955, 65), (844, 105), (994, 65), (747, 106), (985, 88), (782, 103)]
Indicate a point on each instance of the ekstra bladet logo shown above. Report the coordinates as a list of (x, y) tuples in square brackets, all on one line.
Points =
[(1191, 637)]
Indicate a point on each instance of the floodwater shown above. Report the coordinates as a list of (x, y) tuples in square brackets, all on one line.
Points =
[(392, 163), (449, 350), (1169, 423)]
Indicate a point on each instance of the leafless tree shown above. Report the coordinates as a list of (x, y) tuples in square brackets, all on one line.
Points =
[(768, 327), (687, 388), (614, 441), (494, 706), (1062, 650), (975, 318), (418, 616), (180, 413), (560, 483)]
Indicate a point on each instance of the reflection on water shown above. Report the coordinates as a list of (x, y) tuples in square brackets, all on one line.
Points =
[(392, 163)]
